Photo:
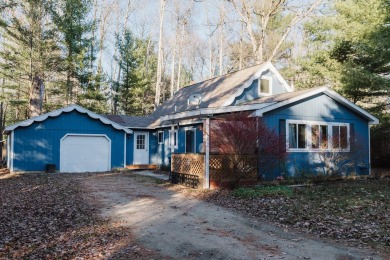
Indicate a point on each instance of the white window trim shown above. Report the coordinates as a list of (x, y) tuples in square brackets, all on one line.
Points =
[(259, 85), (185, 139), (308, 136), (158, 134), (171, 136)]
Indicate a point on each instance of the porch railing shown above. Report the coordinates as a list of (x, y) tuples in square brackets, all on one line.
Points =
[(220, 167), (188, 163)]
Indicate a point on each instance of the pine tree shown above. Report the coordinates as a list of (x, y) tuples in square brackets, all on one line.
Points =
[(350, 52), (82, 83), (134, 92), (29, 57)]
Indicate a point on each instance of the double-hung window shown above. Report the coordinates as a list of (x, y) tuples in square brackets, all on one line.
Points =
[(317, 136), (160, 137), (340, 138), (297, 136), (173, 138), (265, 85)]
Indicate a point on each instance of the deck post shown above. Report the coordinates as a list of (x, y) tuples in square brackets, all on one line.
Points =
[(206, 184), (172, 139)]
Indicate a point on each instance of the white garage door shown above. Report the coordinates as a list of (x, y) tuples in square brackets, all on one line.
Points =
[(84, 153)]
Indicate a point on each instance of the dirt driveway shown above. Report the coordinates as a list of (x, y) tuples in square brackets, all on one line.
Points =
[(181, 227)]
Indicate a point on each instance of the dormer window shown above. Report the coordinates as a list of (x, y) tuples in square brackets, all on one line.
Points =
[(265, 85)]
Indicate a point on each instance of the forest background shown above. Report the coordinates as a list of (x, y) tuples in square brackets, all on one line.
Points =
[(129, 56)]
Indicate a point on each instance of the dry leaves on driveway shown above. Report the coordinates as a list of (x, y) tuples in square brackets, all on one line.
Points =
[(44, 216)]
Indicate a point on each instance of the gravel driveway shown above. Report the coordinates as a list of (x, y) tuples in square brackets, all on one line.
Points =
[(177, 226)]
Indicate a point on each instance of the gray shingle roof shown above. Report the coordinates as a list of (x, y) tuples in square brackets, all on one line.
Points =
[(153, 119), (132, 121), (215, 92)]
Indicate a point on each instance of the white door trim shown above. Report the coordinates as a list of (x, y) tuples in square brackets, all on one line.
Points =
[(146, 146), (99, 135)]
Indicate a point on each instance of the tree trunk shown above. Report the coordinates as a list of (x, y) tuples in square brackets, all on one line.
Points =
[(180, 59), (173, 68), (159, 59), (241, 48), (36, 96)]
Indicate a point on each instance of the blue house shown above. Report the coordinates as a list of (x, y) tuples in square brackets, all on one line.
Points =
[(310, 123)]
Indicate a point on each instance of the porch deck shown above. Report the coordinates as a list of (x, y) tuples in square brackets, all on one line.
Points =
[(142, 167)]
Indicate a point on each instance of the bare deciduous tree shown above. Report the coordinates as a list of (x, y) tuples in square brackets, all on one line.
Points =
[(160, 55), (257, 16)]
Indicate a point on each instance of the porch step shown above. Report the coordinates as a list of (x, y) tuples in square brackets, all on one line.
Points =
[(4, 171), (142, 167)]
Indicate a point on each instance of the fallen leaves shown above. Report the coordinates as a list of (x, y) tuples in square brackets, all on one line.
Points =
[(44, 216), (357, 213)]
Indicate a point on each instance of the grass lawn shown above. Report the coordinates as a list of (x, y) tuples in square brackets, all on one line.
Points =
[(45, 216), (357, 213)]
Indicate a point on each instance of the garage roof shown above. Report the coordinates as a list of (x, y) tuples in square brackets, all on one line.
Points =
[(58, 112)]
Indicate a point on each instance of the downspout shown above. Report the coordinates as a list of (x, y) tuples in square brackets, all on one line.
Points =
[(12, 151), (124, 152), (206, 184), (8, 151), (369, 149), (172, 137), (257, 147), (171, 143)]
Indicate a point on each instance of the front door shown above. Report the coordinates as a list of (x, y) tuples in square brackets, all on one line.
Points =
[(141, 148)]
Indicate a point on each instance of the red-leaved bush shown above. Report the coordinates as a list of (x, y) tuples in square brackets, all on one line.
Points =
[(238, 137)]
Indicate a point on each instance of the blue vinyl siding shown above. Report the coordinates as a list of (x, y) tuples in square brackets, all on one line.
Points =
[(317, 108), (130, 149), (252, 92), (39, 144), (153, 144)]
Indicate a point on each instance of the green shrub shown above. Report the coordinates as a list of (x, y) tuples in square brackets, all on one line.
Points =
[(263, 191)]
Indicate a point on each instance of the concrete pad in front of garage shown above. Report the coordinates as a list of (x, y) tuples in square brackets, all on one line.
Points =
[(160, 176)]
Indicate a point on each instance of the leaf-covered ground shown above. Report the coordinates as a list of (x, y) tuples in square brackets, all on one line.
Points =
[(356, 213), (44, 216)]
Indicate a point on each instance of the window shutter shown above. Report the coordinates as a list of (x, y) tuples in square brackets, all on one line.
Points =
[(282, 135)]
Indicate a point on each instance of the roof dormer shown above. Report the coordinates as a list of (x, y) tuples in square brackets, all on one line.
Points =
[(265, 82)]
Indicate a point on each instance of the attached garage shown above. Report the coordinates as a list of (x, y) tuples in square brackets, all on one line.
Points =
[(85, 153), (73, 139)]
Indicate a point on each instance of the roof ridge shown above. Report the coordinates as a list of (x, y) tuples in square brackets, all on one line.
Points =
[(216, 77)]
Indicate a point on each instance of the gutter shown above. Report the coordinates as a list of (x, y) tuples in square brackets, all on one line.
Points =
[(211, 111)]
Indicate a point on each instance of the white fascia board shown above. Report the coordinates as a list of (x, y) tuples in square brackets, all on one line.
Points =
[(140, 128), (266, 66), (212, 111), (327, 91), (58, 112)]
